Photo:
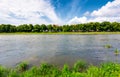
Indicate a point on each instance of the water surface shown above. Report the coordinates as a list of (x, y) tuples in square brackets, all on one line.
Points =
[(57, 49)]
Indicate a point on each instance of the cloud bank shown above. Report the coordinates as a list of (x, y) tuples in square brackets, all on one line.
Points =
[(27, 11), (43, 12), (109, 12)]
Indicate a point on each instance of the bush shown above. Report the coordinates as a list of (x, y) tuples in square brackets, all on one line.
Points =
[(22, 66), (79, 66), (47, 70)]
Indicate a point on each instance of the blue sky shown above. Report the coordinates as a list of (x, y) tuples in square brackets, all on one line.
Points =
[(71, 8), (58, 11)]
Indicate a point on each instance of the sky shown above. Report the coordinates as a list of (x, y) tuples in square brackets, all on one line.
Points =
[(58, 11)]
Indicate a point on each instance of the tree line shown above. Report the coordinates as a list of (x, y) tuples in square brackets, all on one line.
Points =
[(86, 27)]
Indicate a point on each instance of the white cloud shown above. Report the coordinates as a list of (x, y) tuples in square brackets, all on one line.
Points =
[(110, 9), (109, 12), (77, 20), (27, 11), (101, 19), (87, 13), (41, 11)]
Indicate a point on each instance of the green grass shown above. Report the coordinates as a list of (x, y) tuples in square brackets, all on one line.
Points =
[(116, 52), (22, 66), (108, 46), (47, 70), (49, 33)]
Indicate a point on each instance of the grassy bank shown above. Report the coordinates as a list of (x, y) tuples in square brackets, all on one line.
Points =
[(59, 33), (80, 69)]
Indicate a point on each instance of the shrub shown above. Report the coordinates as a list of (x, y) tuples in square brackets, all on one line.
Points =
[(22, 66), (79, 66)]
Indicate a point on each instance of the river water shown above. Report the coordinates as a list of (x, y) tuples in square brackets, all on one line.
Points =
[(57, 49)]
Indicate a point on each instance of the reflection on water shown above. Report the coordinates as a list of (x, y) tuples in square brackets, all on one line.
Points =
[(57, 49)]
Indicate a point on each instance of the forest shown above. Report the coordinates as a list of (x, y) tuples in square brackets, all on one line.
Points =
[(85, 27)]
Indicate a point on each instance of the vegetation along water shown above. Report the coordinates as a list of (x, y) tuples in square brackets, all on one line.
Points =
[(86, 27), (80, 69)]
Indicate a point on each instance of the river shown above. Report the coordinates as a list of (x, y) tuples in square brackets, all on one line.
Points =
[(57, 49)]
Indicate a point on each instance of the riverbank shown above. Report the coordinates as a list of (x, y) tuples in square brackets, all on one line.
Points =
[(59, 33), (79, 69)]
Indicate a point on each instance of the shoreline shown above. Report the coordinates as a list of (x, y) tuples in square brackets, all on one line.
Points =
[(60, 33), (79, 69)]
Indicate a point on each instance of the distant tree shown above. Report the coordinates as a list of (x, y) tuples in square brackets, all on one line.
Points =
[(2, 28), (55, 28), (43, 28), (50, 28), (96, 26), (23, 28), (36, 28), (12, 29), (66, 28), (86, 27), (115, 26), (104, 26), (30, 27)]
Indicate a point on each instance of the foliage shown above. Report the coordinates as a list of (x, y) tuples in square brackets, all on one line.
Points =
[(22, 66), (79, 66), (86, 27), (116, 52), (108, 46), (47, 70), (3, 71)]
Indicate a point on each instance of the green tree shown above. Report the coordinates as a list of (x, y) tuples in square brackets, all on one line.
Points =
[(50, 28), (44, 28), (36, 28)]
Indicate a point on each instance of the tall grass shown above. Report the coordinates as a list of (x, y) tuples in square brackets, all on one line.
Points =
[(116, 52), (80, 66), (80, 69), (22, 66)]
